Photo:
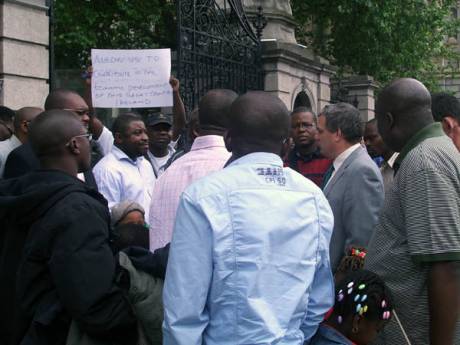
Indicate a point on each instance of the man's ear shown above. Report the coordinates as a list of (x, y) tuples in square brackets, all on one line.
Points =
[(117, 138), (338, 135), (228, 141), (73, 146), (448, 124), (390, 119), (24, 126)]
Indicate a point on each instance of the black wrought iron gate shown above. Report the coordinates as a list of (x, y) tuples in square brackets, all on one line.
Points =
[(217, 48)]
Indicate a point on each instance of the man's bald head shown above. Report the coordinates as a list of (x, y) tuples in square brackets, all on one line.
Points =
[(214, 109), (403, 108), (64, 99), (259, 121), (63, 125), (22, 120), (26, 114)]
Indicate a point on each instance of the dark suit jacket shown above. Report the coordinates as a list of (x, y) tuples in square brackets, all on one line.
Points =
[(356, 195), (23, 160)]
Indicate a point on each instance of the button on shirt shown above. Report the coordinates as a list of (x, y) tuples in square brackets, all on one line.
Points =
[(208, 154), (6, 147), (119, 178), (249, 258)]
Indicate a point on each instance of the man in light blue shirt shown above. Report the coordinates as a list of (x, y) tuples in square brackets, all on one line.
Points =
[(124, 174), (249, 260)]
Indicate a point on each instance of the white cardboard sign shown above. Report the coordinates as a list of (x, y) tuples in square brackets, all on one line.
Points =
[(131, 78)]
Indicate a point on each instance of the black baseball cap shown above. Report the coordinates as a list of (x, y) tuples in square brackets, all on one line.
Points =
[(155, 119)]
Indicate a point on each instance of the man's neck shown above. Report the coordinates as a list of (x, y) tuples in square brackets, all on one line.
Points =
[(306, 150), (159, 151), (345, 146), (131, 156), (70, 169), (21, 136)]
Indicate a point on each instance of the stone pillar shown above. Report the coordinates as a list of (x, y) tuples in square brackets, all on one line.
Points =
[(290, 68), (360, 88), (24, 59)]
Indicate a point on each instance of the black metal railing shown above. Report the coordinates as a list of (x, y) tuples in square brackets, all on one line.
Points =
[(217, 48)]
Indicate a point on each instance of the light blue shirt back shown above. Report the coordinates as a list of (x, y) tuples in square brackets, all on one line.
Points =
[(249, 259)]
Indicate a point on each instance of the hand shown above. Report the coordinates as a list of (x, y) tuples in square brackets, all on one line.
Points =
[(87, 75), (174, 84)]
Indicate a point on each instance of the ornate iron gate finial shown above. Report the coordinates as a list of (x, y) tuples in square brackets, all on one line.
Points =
[(259, 22)]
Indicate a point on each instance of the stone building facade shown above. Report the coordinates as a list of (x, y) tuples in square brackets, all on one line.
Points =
[(292, 72), (24, 58)]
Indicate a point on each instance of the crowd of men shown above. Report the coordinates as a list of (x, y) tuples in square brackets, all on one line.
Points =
[(228, 228)]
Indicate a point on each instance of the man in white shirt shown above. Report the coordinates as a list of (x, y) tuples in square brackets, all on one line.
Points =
[(353, 185), (161, 146), (124, 173), (21, 123)]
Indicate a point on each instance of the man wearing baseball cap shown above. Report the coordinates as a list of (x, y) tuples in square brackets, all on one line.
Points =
[(161, 146)]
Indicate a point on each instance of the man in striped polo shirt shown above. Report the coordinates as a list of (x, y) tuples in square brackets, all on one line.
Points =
[(416, 245)]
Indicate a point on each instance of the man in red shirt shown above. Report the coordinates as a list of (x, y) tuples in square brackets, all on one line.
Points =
[(305, 157)]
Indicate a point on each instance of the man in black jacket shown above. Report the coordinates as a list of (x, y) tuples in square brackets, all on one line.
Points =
[(56, 263), (23, 160)]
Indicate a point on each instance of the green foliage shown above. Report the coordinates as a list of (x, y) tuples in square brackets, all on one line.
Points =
[(383, 38), (115, 24)]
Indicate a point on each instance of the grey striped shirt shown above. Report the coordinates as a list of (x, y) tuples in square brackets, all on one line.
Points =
[(419, 224)]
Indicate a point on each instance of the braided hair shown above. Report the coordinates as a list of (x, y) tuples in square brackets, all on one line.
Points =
[(365, 294), (354, 260)]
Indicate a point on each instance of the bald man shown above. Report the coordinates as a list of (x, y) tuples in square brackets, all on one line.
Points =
[(23, 118), (23, 160), (56, 263), (249, 259), (416, 244), (208, 154)]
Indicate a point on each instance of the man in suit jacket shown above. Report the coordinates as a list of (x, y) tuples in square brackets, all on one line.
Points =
[(353, 185)]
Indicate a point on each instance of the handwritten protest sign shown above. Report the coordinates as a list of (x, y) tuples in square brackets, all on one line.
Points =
[(131, 78)]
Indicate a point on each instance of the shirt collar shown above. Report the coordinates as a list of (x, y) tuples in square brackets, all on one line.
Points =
[(15, 141), (207, 141), (392, 159), (338, 161), (259, 158), (431, 131), (120, 155)]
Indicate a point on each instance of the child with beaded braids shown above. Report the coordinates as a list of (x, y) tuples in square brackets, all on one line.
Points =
[(362, 308)]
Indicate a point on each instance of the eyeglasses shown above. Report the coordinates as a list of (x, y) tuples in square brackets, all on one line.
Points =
[(79, 112), (86, 135), (89, 136)]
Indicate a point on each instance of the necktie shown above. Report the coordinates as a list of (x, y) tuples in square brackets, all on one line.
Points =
[(327, 176)]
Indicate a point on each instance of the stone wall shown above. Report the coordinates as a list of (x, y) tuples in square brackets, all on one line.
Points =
[(290, 69), (24, 58)]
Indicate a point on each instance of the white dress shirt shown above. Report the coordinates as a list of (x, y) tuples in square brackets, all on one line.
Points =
[(6, 147), (338, 161), (119, 178)]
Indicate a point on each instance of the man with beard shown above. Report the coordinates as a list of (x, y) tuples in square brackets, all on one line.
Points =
[(124, 174), (305, 158)]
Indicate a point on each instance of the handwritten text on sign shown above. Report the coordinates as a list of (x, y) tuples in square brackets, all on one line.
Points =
[(131, 78)]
